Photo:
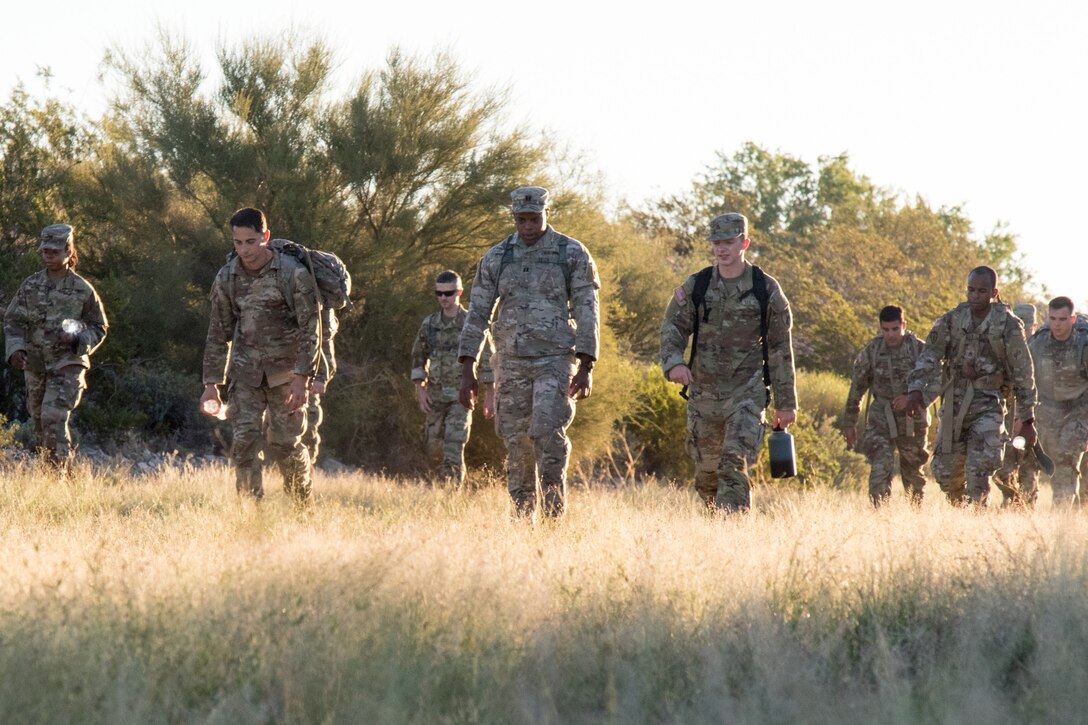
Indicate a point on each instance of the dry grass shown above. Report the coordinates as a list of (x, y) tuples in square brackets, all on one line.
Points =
[(167, 599)]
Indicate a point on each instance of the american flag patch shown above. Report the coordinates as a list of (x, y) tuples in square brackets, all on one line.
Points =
[(681, 296)]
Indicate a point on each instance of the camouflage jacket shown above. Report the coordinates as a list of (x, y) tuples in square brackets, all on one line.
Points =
[(882, 370), (254, 326), (729, 359), (988, 358), (1061, 367), (434, 354), (33, 320), (539, 307), (326, 367)]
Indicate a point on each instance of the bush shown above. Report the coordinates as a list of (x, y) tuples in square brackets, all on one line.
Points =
[(822, 457), (9, 434), (658, 427), (147, 397)]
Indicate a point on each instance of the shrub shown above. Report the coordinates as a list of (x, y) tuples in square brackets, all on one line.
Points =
[(657, 429)]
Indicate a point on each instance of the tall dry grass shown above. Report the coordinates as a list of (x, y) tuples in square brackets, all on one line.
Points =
[(167, 599)]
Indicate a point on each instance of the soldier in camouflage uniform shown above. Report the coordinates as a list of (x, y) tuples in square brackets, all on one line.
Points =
[(53, 324), (728, 389), (882, 368), (973, 354), (1018, 477), (326, 369), (541, 288), (437, 376), (264, 320), (1061, 375)]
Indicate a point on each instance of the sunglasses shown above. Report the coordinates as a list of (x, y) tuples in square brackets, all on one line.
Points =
[(446, 293)]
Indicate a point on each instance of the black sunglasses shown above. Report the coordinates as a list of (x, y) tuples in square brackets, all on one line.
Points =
[(446, 293)]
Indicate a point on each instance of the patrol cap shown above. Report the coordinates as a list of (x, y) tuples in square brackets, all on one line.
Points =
[(529, 199), (56, 236), (728, 226), (1026, 312)]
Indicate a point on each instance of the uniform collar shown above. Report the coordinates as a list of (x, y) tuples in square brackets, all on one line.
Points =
[(447, 320), (547, 240), (274, 264), (745, 274), (966, 316)]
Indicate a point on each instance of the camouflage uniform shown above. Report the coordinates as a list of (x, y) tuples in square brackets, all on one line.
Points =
[(728, 397), (55, 373), (434, 363), (1061, 375), (972, 432), (545, 311), (326, 369), (268, 339), (883, 371), (1018, 476)]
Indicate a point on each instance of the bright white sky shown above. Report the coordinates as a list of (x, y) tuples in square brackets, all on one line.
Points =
[(973, 103)]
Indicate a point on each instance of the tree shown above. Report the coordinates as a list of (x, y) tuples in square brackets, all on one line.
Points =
[(841, 246)]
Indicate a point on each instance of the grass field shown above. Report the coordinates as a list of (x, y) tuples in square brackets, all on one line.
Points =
[(166, 599)]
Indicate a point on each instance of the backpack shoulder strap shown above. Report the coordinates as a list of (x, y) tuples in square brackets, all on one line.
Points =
[(507, 256), (228, 284), (698, 295), (698, 299), (763, 295), (564, 264), (997, 335), (287, 286)]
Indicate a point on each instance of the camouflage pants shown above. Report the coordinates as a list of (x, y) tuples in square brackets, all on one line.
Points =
[(51, 397), (315, 416), (723, 440), (1018, 477), (1063, 433), (445, 435), (964, 469), (532, 416), (880, 448), (284, 444)]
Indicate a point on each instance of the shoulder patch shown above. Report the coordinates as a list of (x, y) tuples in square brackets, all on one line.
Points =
[(681, 296), (594, 277)]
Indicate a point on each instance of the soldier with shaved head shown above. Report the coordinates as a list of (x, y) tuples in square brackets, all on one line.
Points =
[(973, 355)]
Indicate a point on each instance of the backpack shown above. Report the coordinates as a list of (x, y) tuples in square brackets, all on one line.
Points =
[(332, 282), (698, 299), (330, 274)]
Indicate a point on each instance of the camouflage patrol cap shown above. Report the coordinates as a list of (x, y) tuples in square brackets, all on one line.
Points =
[(529, 199), (1026, 312), (728, 226), (56, 236)]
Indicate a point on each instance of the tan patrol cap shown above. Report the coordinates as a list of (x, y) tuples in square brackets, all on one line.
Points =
[(728, 226), (529, 199), (1026, 312), (56, 236)]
